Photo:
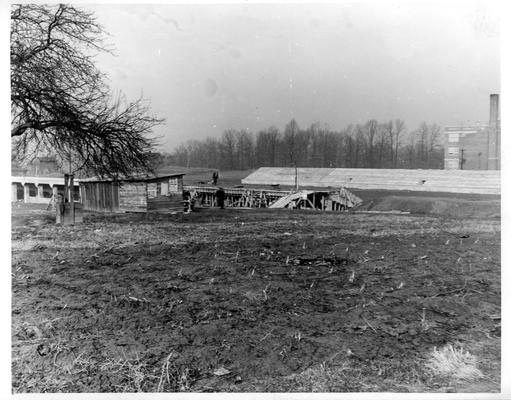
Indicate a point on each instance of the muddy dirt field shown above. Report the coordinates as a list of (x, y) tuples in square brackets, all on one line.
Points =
[(252, 301)]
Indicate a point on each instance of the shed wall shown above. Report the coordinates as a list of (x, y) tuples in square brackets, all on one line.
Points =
[(139, 196), (100, 196), (133, 196), (175, 185), (173, 202), (165, 195)]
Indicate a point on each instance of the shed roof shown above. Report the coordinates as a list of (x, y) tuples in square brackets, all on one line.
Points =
[(134, 178), (424, 180)]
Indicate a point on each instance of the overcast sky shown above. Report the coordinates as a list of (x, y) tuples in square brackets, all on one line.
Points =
[(208, 68)]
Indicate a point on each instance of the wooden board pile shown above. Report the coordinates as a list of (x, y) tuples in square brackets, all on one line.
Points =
[(338, 200)]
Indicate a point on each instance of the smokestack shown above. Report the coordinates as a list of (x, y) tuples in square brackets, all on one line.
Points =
[(494, 109), (494, 133)]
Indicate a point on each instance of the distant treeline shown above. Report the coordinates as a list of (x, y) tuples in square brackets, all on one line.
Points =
[(370, 145)]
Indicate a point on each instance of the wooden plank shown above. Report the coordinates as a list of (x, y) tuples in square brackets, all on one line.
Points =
[(132, 196), (115, 196)]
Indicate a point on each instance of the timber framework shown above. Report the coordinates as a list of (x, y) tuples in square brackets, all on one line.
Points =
[(326, 200)]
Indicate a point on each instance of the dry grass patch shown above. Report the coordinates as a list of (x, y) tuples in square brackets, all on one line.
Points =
[(454, 362)]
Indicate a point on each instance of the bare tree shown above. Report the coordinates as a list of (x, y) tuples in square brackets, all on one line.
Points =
[(229, 148), (435, 151), (349, 144), (434, 135), (411, 150), (359, 145), (180, 156), (211, 145), (340, 138), (390, 134), (382, 143), (267, 143), (290, 142), (244, 149), (313, 150), (60, 101), (371, 129), (422, 134), (399, 129)]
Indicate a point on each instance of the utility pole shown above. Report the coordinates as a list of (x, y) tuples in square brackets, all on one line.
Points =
[(296, 177), (71, 189)]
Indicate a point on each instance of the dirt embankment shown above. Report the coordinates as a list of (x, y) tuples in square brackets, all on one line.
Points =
[(444, 206), (450, 205)]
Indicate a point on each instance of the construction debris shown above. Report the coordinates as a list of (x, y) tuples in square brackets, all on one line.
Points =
[(335, 200)]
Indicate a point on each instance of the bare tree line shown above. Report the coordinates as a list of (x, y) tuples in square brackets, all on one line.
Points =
[(61, 104), (370, 145)]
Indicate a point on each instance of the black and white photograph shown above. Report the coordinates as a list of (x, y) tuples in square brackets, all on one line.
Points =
[(255, 197)]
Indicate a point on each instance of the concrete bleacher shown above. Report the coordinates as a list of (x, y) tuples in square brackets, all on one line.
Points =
[(451, 181)]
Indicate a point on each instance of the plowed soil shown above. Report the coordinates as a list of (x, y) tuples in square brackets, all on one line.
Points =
[(255, 300)]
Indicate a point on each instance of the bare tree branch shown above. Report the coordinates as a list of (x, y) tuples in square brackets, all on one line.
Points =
[(60, 101)]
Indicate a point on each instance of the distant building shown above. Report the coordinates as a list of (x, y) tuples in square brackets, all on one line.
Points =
[(44, 166), (40, 166), (474, 147)]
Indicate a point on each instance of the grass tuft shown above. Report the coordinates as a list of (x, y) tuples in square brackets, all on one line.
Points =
[(454, 362)]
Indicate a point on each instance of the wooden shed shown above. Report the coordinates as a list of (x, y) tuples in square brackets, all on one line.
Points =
[(158, 193)]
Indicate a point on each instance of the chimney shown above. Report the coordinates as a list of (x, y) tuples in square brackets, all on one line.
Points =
[(494, 109), (494, 134)]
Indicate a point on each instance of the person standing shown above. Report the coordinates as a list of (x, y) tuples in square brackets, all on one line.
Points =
[(214, 178), (220, 197)]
